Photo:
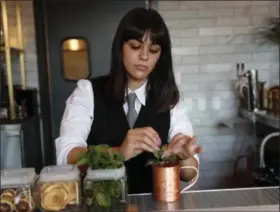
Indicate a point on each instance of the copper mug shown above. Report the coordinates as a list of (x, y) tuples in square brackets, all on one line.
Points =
[(166, 182)]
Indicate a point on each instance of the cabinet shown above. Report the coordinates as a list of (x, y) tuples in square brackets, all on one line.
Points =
[(21, 102)]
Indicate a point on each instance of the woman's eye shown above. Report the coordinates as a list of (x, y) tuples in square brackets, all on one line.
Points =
[(135, 47), (154, 51)]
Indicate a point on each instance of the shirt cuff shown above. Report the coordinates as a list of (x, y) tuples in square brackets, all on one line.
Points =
[(61, 157)]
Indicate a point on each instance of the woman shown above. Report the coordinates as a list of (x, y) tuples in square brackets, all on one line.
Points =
[(136, 108)]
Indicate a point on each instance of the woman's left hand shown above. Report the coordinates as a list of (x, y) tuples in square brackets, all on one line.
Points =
[(183, 146)]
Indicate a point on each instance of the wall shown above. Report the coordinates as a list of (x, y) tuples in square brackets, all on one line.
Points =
[(209, 38), (10, 134)]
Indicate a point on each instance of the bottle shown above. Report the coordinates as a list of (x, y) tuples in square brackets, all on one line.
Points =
[(237, 70), (242, 68)]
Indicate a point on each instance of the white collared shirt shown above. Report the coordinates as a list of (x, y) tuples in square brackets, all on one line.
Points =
[(79, 115)]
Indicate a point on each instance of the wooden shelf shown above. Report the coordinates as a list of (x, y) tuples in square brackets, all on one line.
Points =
[(14, 121), (13, 50)]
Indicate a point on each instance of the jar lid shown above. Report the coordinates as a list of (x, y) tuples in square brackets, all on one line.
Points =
[(59, 173), (106, 174), (14, 177)]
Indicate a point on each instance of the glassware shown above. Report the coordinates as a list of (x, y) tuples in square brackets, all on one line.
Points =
[(59, 188), (105, 188), (17, 190)]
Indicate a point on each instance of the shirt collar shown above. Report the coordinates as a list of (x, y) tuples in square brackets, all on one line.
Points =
[(140, 93)]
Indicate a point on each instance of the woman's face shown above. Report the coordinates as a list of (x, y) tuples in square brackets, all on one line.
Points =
[(140, 58)]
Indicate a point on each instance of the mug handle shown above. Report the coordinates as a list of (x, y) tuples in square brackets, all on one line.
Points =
[(193, 181)]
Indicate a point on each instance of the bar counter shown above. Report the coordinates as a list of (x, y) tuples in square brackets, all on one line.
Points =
[(245, 199)]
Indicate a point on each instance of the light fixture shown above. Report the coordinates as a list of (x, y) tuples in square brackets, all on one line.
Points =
[(74, 45)]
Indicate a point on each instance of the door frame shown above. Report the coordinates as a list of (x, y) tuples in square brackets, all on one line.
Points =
[(48, 148)]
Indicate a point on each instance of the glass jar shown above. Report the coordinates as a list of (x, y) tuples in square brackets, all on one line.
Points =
[(105, 188), (59, 188), (17, 190)]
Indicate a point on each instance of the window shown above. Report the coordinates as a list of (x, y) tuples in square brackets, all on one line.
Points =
[(75, 59)]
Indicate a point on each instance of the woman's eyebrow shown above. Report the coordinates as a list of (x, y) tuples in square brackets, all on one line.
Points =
[(140, 40)]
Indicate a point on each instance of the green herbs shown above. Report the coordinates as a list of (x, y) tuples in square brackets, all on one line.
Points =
[(162, 161), (101, 157), (101, 193)]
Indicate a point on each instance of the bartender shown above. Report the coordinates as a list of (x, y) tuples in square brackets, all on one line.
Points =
[(136, 108)]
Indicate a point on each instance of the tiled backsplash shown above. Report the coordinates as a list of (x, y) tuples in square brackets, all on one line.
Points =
[(209, 38)]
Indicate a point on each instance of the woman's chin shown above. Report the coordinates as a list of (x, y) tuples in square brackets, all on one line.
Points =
[(139, 76)]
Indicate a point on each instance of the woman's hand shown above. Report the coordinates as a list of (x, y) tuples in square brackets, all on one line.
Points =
[(183, 146), (139, 140)]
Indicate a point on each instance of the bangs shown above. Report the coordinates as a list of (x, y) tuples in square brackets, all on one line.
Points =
[(140, 24)]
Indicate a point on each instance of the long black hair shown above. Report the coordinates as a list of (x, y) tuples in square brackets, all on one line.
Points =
[(161, 86)]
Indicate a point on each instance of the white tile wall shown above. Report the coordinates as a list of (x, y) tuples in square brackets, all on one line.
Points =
[(209, 38), (10, 135)]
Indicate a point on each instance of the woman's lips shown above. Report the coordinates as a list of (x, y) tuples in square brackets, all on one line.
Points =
[(141, 67)]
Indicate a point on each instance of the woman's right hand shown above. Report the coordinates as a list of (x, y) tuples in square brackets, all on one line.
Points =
[(139, 140)]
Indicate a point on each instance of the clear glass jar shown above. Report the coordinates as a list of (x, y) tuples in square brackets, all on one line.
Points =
[(59, 188), (17, 190), (105, 188)]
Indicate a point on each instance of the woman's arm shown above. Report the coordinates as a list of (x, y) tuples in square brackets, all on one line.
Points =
[(180, 124), (76, 124), (73, 155)]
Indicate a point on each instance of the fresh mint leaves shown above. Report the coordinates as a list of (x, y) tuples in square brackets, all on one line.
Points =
[(101, 193), (162, 161)]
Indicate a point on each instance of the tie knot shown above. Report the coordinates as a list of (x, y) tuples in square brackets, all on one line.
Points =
[(131, 100)]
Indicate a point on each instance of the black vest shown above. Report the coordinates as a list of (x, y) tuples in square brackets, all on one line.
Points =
[(110, 126)]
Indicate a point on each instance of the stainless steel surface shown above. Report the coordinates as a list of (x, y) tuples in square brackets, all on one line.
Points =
[(262, 117), (245, 199), (268, 119), (253, 85), (213, 200)]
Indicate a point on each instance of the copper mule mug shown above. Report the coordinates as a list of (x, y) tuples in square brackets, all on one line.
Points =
[(166, 182)]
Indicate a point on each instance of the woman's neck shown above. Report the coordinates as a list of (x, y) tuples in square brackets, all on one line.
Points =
[(133, 84)]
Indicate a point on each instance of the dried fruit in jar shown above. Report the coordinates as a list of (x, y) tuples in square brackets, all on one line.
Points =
[(57, 196), (16, 199)]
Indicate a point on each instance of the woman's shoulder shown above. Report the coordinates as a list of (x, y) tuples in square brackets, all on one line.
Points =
[(92, 82), (99, 78)]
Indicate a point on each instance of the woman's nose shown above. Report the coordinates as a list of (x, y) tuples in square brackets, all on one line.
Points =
[(144, 54)]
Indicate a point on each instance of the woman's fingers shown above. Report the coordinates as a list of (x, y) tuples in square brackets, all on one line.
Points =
[(149, 137)]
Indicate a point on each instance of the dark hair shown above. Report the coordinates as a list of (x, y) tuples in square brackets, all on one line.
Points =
[(161, 85)]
